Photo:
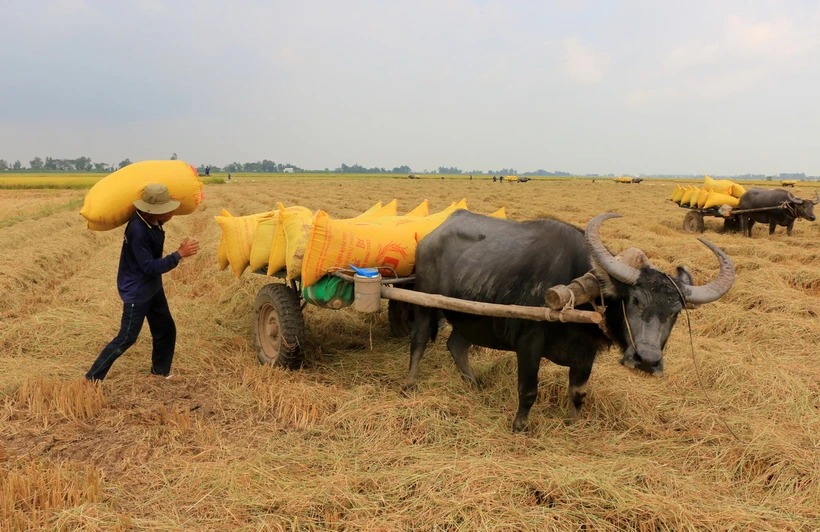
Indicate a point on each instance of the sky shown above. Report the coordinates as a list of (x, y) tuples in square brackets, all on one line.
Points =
[(639, 87)]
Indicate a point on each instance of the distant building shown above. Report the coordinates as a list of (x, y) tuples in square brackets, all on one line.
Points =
[(288, 170)]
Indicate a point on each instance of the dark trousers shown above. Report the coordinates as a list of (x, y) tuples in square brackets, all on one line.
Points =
[(163, 334)]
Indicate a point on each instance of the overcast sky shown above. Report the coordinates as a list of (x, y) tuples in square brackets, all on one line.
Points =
[(720, 87)]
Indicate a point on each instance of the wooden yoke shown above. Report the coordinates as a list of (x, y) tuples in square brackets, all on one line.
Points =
[(581, 290)]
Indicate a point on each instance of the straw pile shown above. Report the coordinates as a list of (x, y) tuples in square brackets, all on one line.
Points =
[(234, 445)]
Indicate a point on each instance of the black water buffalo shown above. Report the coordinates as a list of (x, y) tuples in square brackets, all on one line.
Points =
[(789, 209), (478, 258)]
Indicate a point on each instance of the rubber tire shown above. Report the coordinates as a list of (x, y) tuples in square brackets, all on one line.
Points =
[(693, 222), (278, 326), (400, 318)]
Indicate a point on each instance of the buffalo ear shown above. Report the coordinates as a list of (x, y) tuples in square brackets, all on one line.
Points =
[(685, 277)]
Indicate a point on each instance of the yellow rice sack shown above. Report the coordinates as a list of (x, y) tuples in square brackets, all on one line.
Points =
[(277, 260), (389, 243), (297, 225), (222, 251), (677, 195), (262, 243), (737, 190), (717, 199), (500, 213), (422, 209), (724, 186), (687, 193), (702, 195), (110, 202), (239, 232)]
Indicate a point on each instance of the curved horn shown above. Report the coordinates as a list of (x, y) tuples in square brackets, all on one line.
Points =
[(795, 199), (816, 197), (715, 289), (617, 269)]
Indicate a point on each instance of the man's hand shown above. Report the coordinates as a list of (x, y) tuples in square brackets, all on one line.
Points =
[(188, 247)]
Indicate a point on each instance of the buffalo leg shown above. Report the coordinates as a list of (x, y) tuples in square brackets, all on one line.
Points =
[(528, 364), (422, 332), (460, 348), (578, 377), (789, 227), (772, 225)]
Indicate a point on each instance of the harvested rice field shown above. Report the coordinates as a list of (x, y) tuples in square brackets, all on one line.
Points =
[(727, 439)]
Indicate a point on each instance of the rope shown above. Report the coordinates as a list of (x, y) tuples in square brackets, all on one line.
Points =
[(695, 364)]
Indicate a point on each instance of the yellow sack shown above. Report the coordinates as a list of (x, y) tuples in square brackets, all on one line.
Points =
[(677, 194), (717, 199), (724, 186), (422, 209), (500, 213), (277, 260), (737, 190), (702, 195), (372, 211), (687, 193), (239, 232), (222, 251), (110, 202), (297, 224), (386, 242), (262, 243)]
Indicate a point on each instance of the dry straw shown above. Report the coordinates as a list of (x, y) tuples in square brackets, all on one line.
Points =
[(338, 446)]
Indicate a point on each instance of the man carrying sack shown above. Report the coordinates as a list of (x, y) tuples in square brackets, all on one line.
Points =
[(139, 282)]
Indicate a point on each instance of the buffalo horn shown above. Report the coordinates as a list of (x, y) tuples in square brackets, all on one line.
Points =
[(617, 269), (715, 289)]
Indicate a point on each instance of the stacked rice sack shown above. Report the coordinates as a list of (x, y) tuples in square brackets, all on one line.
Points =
[(713, 193), (110, 202), (305, 245)]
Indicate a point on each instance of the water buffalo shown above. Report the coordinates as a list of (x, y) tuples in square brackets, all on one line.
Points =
[(478, 258), (789, 209)]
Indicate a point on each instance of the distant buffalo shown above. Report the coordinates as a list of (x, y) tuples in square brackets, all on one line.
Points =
[(781, 208)]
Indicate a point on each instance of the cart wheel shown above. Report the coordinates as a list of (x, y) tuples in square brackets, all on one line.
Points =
[(400, 317), (731, 224), (693, 222), (279, 327)]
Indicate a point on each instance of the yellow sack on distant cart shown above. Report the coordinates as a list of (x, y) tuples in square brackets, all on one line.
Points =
[(110, 202), (737, 190), (724, 186), (677, 195), (239, 232), (717, 199), (222, 251), (687, 193), (702, 195)]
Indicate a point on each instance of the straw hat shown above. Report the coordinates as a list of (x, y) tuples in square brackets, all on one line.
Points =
[(156, 200)]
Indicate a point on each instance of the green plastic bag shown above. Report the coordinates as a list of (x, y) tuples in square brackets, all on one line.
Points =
[(330, 292)]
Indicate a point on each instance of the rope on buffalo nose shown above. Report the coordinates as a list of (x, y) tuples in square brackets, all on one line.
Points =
[(695, 364)]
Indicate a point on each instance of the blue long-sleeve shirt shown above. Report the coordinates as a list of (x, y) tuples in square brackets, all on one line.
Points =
[(139, 277)]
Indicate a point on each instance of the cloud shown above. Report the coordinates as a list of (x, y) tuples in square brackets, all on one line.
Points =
[(582, 64)]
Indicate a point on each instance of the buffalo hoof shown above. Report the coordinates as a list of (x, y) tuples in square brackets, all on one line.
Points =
[(520, 424), (409, 388)]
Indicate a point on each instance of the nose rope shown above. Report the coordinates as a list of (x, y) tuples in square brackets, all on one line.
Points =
[(695, 362), (628, 328)]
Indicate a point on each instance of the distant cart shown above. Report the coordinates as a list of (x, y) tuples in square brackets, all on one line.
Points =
[(693, 220)]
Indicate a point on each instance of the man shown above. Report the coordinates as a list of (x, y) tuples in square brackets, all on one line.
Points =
[(139, 282)]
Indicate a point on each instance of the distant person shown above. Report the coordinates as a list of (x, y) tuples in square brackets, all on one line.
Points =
[(229, 176), (495, 179), (501, 178), (208, 170), (139, 282), (471, 177)]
